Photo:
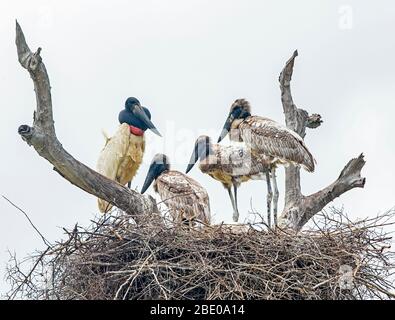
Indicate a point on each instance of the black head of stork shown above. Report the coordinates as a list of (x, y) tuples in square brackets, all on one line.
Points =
[(159, 164), (137, 117), (201, 150), (240, 109)]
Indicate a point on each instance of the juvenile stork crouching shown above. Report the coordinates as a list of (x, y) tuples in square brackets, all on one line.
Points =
[(231, 165), (278, 144), (187, 200), (123, 153)]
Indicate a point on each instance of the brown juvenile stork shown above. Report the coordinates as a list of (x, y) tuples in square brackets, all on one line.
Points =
[(278, 144), (231, 165), (187, 200)]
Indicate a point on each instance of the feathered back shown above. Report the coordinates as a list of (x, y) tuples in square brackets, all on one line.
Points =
[(272, 139), (120, 159), (184, 196), (235, 160)]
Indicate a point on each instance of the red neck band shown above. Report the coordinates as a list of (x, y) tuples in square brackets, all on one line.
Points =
[(136, 131)]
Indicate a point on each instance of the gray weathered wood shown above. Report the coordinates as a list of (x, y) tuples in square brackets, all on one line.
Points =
[(298, 209), (42, 137)]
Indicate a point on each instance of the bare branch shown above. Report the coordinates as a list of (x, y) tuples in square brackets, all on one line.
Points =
[(43, 138), (313, 121), (46, 242), (349, 178), (27, 278), (298, 208), (32, 62)]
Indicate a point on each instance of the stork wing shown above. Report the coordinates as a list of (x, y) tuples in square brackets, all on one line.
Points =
[(111, 157), (238, 159), (273, 139), (184, 196), (113, 152)]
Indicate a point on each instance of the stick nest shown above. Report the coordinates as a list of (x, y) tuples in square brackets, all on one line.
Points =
[(116, 259)]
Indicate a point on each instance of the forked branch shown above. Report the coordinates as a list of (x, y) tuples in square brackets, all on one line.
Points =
[(298, 208)]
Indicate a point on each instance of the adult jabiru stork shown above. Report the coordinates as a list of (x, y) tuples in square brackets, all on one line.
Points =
[(123, 153), (231, 165), (187, 200), (280, 145)]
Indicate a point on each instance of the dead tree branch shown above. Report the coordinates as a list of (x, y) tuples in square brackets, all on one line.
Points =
[(46, 242), (43, 138), (298, 208)]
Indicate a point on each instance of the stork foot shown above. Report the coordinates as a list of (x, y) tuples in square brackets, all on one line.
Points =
[(235, 216)]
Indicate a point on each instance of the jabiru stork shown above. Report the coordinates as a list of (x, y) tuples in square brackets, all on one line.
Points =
[(231, 165), (187, 200), (122, 154), (280, 145)]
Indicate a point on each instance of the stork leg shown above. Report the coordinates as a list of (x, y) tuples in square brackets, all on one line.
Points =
[(269, 198), (275, 196), (235, 213)]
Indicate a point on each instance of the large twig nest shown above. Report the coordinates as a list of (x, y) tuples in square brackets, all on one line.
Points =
[(116, 259)]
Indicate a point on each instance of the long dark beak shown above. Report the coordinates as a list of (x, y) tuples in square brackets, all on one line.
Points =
[(140, 113), (226, 127), (149, 178), (194, 158)]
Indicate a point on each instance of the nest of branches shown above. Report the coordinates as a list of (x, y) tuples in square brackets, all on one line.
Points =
[(116, 259)]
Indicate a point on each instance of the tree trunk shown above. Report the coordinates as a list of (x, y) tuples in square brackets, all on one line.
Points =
[(298, 209)]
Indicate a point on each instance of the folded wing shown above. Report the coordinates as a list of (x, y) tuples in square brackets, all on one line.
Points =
[(120, 159), (277, 141), (185, 197)]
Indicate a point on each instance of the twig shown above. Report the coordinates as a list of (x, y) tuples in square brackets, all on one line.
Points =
[(30, 221)]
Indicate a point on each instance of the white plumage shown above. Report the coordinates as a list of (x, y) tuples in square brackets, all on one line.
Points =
[(120, 159)]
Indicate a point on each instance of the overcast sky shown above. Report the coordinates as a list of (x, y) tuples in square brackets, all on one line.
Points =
[(187, 61)]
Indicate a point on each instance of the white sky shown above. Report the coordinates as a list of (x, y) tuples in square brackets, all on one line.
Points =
[(188, 61)]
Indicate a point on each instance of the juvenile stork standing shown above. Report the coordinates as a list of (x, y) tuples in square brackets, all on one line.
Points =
[(231, 165), (122, 154), (278, 144), (186, 199)]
